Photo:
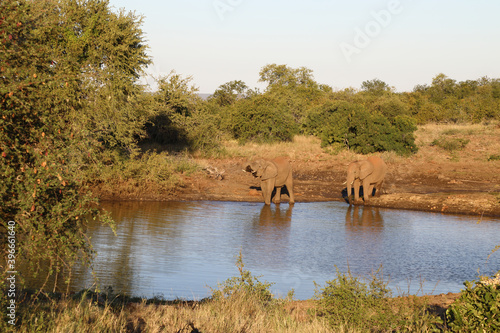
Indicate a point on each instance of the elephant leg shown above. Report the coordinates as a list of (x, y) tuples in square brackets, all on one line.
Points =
[(267, 191), (277, 197), (378, 188), (289, 187), (356, 189), (370, 190), (367, 189)]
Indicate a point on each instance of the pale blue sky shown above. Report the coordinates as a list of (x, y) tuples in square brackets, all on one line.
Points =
[(402, 42)]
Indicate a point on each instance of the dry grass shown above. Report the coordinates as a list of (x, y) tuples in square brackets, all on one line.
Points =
[(483, 141), (302, 146), (484, 138), (236, 314)]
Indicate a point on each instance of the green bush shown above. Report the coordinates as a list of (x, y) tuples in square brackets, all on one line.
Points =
[(450, 144), (348, 301), (352, 126), (181, 119), (261, 119), (477, 309), (494, 157), (245, 284)]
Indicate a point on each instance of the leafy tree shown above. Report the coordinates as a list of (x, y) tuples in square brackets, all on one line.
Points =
[(68, 71), (176, 93), (262, 118), (375, 87), (229, 93), (442, 88), (108, 55), (180, 116), (295, 88), (390, 106), (174, 100), (282, 75), (352, 126), (447, 100)]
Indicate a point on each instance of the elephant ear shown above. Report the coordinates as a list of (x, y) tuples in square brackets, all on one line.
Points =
[(365, 169), (270, 171)]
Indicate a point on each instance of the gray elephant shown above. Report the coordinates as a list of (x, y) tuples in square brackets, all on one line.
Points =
[(370, 173), (273, 174)]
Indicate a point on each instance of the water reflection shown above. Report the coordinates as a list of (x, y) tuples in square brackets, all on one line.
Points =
[(177, 249), (269, 240), (370, 219), (364, 227)]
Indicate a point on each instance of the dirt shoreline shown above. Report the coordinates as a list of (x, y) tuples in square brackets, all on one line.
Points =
[(443, 188)]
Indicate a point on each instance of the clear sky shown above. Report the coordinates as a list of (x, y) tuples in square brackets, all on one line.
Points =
[(401, 42)]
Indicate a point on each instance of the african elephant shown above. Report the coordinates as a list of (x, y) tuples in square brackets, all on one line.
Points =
[(370, 173), (273, 174)]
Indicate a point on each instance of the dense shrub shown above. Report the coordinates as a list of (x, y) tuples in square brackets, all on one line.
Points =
[(262, 119), (366, 305), (477, 309), (349, 300), (352, 126), (180, 118), (245, 284)]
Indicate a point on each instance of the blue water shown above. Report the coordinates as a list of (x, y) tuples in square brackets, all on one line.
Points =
[(180, 249)]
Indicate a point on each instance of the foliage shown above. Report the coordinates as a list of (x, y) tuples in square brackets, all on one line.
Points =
[(282, 75), (348, 301), (375, 87), (180, 118), (67, 94), (447, 100), (246, 283), (352, 126), (262, 119), (375, 118), (477, 309), (494, 157), (229, 93), (176, 93)]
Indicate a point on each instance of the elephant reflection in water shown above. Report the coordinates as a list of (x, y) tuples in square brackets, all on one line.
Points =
[(269, 240), (370, 218), (274, 218), (364, 229)]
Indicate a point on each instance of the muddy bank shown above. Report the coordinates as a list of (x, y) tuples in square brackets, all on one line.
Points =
[(444, 188), (461, 181)]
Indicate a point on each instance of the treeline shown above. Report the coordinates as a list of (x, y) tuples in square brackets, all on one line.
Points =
[(371, 119), (73, 114)]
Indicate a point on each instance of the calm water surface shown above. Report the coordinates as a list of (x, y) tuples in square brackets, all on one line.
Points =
[(178, 249)]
